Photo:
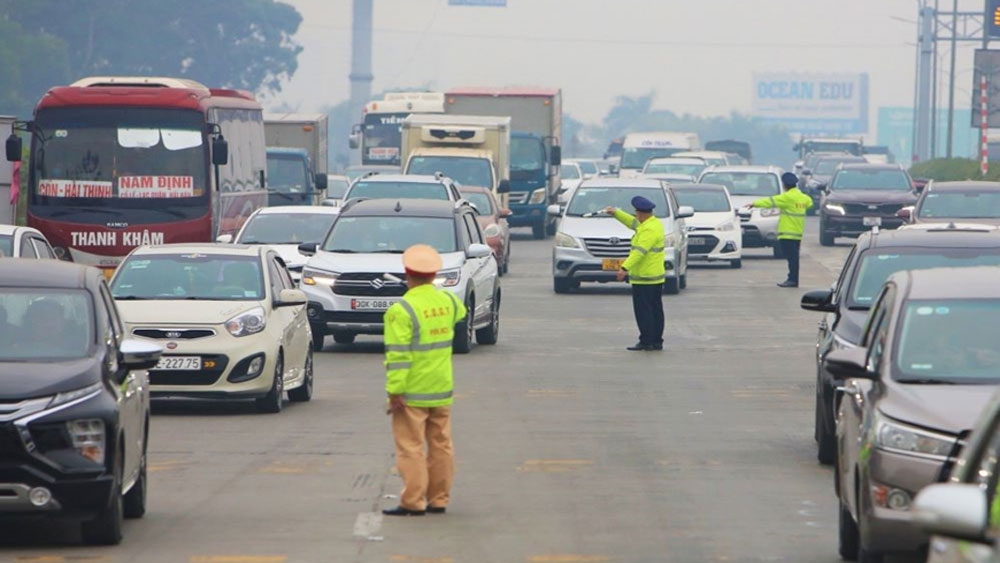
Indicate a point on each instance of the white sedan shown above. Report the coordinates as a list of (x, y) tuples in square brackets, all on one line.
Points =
[(24, 242), (231, 321), (714, 230)]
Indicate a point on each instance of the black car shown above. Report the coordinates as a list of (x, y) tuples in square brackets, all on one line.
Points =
[(863, 195), (875, 257), (818, 172), (74, 400)]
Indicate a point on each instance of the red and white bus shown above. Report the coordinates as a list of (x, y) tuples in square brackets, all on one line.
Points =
[(118, 162)]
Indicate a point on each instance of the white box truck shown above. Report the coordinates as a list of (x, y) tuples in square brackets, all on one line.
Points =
[(637, 148)]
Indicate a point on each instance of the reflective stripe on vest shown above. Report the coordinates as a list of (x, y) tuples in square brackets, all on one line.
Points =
[(645, 251), (415, 340), (417, 347), (428, 396)]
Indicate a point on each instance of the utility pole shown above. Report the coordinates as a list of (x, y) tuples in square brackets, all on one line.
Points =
[(361, 61), (921, 149), (951, 80)]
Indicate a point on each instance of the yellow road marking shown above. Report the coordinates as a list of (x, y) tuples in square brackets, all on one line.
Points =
[(553, 465), (422, 559), (566, 558), (238, 558), (293, 467), (164, 466), (60, 558)]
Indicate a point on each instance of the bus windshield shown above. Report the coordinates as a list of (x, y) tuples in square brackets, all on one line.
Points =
[(88, 165), (382, 138)]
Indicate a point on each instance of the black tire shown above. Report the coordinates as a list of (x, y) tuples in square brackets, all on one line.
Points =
[(826, 238), (304, 392), (344, 337), (106, 529), (134, 503), (672, 286), (848, 538), (538, 231), (489, 335), (736, 264), (826, 441), (776, 250), (462, 343), (563, 285), (684, 281), (865, 556), (272, 402), (319, 335), (550, 230)]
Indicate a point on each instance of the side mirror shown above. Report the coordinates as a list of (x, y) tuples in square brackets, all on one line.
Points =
[(848, 364), (290, 298), (504, 213), (14, 148), (354, 140), (220, 151), (478, 251), (554, 210), (820, 300), (952, 509), (139, 354), (555, 155), (308, 248), (321, 181), (503, 187), (685, 211), (224, 239), (905, 213)]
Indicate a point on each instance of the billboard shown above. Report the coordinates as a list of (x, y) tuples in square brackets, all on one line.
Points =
[(812, 103), (987, 63)]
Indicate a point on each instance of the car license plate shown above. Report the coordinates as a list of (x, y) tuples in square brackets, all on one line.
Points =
[(612, 264), (179, 363), (697, 240), (872, 221), (371, 304)]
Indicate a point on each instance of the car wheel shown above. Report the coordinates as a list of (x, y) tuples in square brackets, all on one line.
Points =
[(672, 286), (826, 238), (106, 529), (490, 334), (684, 281), (134, 503), (344, 337), (538, 231), (304, 392), (848, 539), (826, 442), (462, 343), (736, 264), (563, 285), (550, 230), (271, 403), (319, 335)]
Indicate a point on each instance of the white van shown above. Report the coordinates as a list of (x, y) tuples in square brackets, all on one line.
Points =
[(640, 147)]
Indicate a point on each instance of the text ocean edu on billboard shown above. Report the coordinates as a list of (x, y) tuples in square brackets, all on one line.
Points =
[(812, 103)]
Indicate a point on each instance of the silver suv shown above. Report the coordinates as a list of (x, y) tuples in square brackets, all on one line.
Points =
[(357, 272), (412, 186), (591, 246)]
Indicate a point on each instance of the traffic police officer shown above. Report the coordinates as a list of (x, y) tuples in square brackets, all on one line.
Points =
[(645, 270), (419, 331), (793, 205)]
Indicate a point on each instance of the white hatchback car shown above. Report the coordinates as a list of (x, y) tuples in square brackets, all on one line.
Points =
[(714, 230), (284, 228), (746, 184), (231, 321), (24, 242), (590, 246)]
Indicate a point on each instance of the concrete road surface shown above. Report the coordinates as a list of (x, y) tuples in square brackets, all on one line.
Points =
[(570, 449)]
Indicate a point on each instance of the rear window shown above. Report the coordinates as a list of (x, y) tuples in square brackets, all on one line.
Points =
[(704, 200), (759, 184), (390, 190)]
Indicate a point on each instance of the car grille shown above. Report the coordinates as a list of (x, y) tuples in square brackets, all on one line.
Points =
[(368, 285), (867, 208), (367, 317), (10, 442), (519, 197), (186, 377), (174, 333), (608, 247), (710, 243)]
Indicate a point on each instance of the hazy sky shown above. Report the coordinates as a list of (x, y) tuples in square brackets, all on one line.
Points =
[(699, 55)]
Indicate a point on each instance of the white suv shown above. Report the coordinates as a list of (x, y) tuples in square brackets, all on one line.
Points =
[(746, 184), (357, 272), (395, 186), (591, 246)]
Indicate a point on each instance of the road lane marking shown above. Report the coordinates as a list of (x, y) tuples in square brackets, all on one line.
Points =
[(60, 558), (238, 558), (169, 465), (367, 524), (422, 559), (567, 558), (553, 465)]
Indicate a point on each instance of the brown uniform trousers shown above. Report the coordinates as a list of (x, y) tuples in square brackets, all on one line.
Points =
[(426, 476)]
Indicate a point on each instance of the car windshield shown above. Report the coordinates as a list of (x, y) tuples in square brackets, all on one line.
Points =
[(878, 264), (674, 168), (286, 228), (392, 234), (6, 246), (961, 205), (569, 172), (45, 325), (634, 157), (336, 187), (860, 179), (287, 173), (468, 171), (593, 199), (588, 167), (704, 200), (758, 184), (481, 201), (210, 277), (952, 340), (391, 190)]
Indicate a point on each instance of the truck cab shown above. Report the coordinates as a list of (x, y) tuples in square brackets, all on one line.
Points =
[(290, 178)]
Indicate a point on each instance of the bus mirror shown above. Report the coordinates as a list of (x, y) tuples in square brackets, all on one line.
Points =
[(354, 141), (321, 181), (14, 148), (555, 155), (220, 151)]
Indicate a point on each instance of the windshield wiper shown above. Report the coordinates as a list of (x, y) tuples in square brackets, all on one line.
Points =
[(387, 252), (927, 381), (343, 251), (130, 298)]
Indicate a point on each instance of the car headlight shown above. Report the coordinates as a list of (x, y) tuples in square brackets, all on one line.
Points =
[(834, 208), (538, 196), (769, 211), (899, 437), (727, 226), (88, 438), (317, 277), (448, 278), (840, 343), (245, 324), (492, 230), (565, 241)]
